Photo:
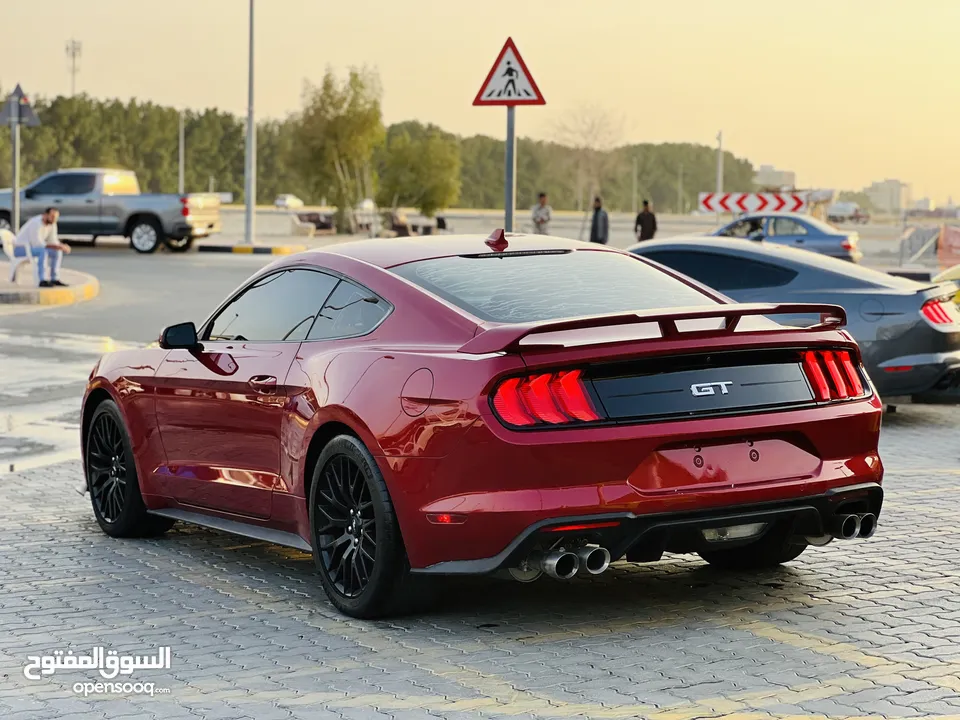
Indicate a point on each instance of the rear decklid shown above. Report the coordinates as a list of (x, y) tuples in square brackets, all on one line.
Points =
[(679, 362)]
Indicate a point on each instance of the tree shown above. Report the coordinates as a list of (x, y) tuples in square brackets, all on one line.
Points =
[(338, 130), (593, 134), (420, 167)]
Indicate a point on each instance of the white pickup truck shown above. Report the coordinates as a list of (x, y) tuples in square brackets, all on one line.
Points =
[(101, 202)]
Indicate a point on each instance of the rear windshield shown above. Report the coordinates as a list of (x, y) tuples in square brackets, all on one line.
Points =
[(518, 288)]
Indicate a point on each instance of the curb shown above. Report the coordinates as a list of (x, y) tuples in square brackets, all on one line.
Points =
[(86, 290), (253, 249)]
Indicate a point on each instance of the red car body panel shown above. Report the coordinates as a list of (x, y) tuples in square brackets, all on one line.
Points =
[(208, 441)]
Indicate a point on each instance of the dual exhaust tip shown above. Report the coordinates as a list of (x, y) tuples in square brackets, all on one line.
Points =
[(564, 564), (847, 527)]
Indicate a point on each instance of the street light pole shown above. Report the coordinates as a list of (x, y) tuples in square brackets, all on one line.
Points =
[(180, 182), (250, 186)]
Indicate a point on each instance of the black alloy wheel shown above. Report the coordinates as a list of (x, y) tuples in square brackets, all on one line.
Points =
[(355, 535), (112, 478), (346, 532), (107, 468)]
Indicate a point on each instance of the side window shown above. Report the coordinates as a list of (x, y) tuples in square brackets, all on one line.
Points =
[(54, 185), (724, 272), (788, 226), (120, 184), (738, 229), (351, 310), (277, 308), (79, 183)]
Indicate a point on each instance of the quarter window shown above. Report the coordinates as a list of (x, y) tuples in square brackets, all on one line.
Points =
[(724, 272), (350, 311)]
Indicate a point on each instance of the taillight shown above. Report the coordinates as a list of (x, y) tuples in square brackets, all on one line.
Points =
[(833, 374), (557, 398), (938, 312), (185, 203)]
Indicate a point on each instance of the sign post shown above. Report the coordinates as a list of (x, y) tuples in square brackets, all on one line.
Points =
[(16, 112), (509, 83)]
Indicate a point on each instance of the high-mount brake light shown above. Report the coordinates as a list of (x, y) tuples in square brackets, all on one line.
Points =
[(553, 398), (833, 374)]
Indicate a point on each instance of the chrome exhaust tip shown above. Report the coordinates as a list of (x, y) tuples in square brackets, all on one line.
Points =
[(868, 525), (845, 527), (558, 564), (593, 560)]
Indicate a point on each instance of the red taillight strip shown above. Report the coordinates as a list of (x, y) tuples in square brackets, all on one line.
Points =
[(838, 384), (850, 370), (568, 390), (549, 398), (535, 392), (833, 374), (936, 313), (509, 405), (811, 365)]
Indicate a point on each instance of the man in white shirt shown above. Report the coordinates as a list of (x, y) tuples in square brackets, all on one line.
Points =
[(38, 236), (541, 216)]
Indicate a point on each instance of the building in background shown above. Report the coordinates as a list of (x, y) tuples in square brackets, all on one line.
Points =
[(769, 177), (923, 204), (889, 196)]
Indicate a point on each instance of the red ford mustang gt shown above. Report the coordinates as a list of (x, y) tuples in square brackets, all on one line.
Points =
[(463, 405)]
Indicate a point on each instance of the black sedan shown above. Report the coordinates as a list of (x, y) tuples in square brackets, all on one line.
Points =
[(909, 332)]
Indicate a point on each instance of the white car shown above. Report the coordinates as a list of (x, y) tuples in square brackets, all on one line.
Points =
[(290, 202)]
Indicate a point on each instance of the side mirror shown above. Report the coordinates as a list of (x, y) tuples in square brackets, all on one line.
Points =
[(182, 336), (29, 193)]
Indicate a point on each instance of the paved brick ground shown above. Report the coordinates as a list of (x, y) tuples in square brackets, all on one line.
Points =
[(866, 629)]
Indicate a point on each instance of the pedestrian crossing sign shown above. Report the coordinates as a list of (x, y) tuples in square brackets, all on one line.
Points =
[(509, 81)]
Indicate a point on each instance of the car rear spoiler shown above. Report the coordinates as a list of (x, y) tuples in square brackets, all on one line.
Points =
[(502, 337)]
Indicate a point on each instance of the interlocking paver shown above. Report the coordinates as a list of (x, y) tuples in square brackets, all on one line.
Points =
[(851, 629)]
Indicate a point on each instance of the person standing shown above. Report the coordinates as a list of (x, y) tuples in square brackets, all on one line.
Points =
[(38, 237), (646, 225), (600, 225), (541, 216)]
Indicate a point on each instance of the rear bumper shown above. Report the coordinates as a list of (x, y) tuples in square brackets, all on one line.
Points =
[(930, 376), (646, 537), (496, 484), (196, 228)]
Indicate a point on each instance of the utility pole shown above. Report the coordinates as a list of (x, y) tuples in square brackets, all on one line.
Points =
[(74, 49), (180, 182), (719, 169), (680, 191), (250, 189), (635, 209)]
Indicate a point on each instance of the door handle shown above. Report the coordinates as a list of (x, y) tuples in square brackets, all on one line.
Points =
[(265, 384), (89, 202)]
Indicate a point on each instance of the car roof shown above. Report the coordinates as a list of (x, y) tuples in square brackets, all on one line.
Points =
[(779, 255), (390, 252), (791, 215)]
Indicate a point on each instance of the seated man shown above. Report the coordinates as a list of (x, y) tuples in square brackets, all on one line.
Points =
[(38, 236)]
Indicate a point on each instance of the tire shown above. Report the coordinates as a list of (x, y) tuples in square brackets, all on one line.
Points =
[(178, 245), (771, 550), (6, 222), (146, 235), (112, 478), (355, 536)]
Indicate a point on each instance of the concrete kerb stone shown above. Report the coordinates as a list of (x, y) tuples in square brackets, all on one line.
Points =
[(80, 287)]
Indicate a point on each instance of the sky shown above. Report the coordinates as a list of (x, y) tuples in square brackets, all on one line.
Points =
[(842, 92)]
